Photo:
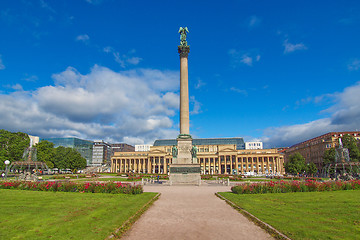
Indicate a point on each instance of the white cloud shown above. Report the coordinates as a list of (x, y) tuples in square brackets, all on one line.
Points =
[(253, 21), (199, 84), (196, 106), (32, 78), (94, 2), (241, 91), (247, 58), (172, 100), (17, 87), (2, 66), (354, 65), (289, 47), (134, 60), (123, 59), (84, 38), (45, 5), (345, 116), (102, 104)]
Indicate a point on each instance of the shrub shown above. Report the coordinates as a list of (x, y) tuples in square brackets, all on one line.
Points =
[(90, 187), (294, 186)]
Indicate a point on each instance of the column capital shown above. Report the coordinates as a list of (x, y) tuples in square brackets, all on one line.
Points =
[(183, 51)]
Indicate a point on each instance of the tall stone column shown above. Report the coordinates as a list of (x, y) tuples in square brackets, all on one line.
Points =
[(184, 90), (184, 167)]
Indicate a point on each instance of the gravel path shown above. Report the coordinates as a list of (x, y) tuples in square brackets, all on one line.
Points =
[(192, 212)]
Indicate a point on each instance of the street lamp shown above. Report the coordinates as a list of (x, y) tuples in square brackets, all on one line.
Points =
[(7, 162)]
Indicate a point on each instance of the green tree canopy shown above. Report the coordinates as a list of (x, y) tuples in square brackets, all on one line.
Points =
[(12, 146), (66, 157), (46, 152), (75, 161), (351, 144), (296, 164), (329, 156), (311, 169), (60, 157)]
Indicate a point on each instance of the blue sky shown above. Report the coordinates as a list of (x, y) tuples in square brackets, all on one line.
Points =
[(276, 71)]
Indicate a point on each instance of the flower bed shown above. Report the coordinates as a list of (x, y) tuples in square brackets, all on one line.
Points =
[(68, 176), (295, 186), (91, 187), (133, 178), (136, 177)]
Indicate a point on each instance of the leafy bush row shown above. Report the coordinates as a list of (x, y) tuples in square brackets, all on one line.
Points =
[(137, 176), (295, 186), (90, 187), (69, 176)]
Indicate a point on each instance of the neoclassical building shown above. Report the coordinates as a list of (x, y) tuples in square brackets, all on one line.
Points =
[(214, 159)]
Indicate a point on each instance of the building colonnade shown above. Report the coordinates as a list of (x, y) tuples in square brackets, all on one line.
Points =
[(212, 164)]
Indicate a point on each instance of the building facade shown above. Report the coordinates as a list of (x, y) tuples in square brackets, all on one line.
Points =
[(239, 142), (253, 145), (101, 153), (313, 149), (121, 147), (214, 159), (142, 148), (84, 147)]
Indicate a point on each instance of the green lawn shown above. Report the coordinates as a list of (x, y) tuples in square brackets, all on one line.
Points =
[(59, 215), (309, 215)]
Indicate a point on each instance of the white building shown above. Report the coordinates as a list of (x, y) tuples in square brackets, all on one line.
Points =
[(142, 148), (253, 145)]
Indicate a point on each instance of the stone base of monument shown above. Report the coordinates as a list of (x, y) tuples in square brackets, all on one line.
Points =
[(185, 174)]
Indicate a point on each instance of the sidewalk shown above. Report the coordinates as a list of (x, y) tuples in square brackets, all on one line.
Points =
[(192, 212)]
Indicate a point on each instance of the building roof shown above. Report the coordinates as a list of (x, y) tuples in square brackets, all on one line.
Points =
[(239, 142)]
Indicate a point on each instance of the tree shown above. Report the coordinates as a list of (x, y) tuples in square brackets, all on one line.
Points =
[(329, 156), (75, 160), (351, 144), (46, 152), (66, 157), (311, 169), (12, 146), (60, 157), (296, 164)]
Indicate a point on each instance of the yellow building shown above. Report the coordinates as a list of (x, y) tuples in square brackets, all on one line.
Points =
[(214, 159)]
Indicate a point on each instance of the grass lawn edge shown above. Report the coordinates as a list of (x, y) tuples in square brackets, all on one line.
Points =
[(117, 234), (267, 227)]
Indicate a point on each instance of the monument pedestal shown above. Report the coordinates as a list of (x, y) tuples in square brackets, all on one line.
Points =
[(185, 174), (185, 169)]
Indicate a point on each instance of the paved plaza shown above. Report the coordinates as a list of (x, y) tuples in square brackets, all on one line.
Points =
[(192, 212)]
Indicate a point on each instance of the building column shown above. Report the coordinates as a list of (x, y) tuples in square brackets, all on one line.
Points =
[(212, 165), (276, 163), (206, 164), (263, 165), (268, 166), (231, 164), (219, 164), (237, 164), (148, 168)]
